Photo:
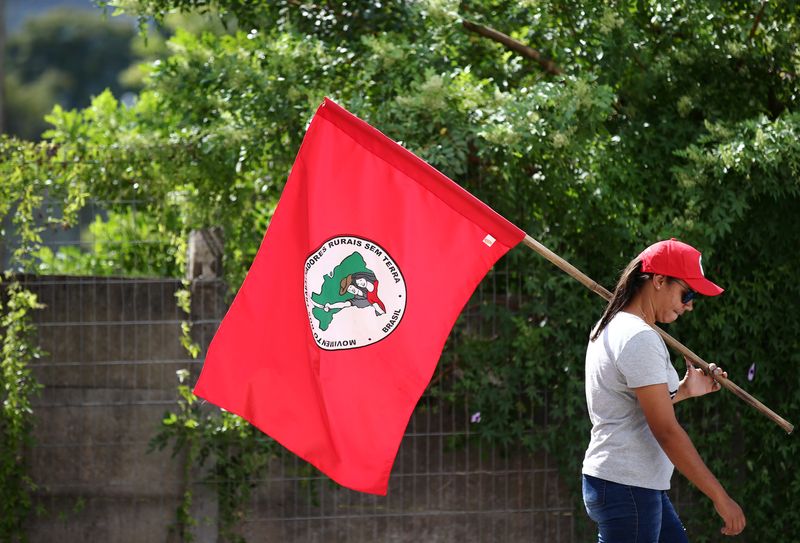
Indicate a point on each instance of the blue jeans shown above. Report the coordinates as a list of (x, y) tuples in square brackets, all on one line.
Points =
[(630, 514)]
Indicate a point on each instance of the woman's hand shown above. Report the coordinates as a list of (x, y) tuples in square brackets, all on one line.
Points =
[(697, 382), (731, 514)]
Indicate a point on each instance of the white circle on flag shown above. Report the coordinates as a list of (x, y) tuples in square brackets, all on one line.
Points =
[(355, 293)]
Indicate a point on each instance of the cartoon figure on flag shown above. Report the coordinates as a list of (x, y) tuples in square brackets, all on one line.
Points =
[(363, 287)]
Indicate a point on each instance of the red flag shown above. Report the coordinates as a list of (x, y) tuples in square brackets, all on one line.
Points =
[(338, 326)]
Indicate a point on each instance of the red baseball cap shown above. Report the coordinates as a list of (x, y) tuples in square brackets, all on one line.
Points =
[(677, 259)]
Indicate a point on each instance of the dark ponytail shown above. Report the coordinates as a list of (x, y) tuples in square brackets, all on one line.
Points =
[(628, 285)]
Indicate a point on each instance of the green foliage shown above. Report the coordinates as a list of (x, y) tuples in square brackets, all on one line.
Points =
[(17, 388), (25, 172), (755, 234), (670, 120), (334, 20), (240, 455), (126, 241)]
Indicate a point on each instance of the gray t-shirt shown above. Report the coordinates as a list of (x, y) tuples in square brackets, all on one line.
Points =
[(627, 355)]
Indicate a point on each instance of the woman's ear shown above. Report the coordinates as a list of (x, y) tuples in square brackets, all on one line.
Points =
[(659, 280)]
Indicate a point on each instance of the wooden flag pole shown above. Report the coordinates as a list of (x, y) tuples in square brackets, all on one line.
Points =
[(672, 342)]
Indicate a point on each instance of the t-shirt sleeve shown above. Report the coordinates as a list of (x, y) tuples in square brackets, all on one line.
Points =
[(643, 361)]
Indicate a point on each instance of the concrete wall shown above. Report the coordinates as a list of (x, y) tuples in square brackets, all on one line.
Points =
[(109, 376)]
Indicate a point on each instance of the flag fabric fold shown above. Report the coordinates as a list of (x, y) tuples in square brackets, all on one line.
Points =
[(332, 338)]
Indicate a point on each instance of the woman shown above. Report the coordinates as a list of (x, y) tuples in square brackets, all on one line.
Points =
[(631, 387)]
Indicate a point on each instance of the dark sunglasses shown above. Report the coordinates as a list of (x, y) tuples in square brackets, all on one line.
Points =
[(689, 295)]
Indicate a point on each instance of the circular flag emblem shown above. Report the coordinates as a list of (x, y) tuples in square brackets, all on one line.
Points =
[(355, 293)]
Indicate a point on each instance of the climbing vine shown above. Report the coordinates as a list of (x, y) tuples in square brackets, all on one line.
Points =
[(236, 451), (24, 168), (16, 417)]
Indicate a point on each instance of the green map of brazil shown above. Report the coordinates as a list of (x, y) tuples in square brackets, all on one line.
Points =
[(329, 293)]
